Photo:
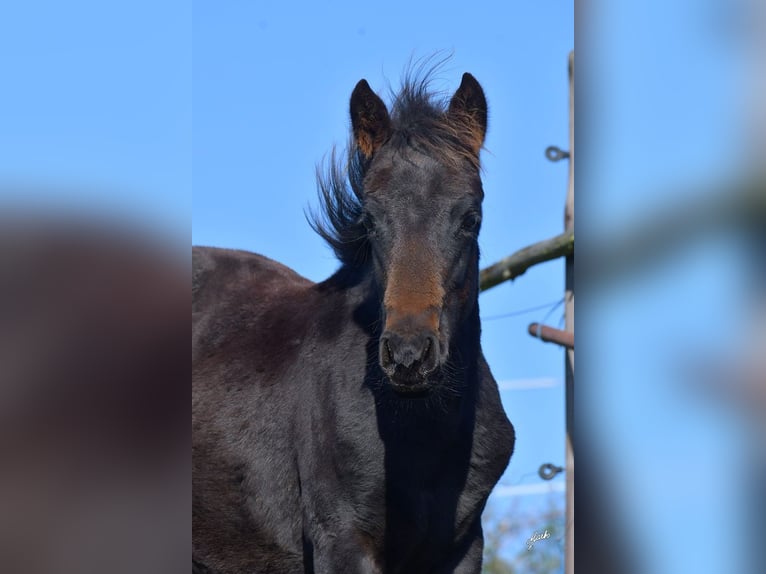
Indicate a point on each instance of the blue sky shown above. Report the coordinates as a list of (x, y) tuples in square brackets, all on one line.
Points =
[(271, 90), (135, 109), (97, 108)]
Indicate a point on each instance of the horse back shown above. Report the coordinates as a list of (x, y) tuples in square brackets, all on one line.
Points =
[(242, 333), (227, 273), (232, 289)]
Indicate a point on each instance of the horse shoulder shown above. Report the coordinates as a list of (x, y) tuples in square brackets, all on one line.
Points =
[(246, 491)]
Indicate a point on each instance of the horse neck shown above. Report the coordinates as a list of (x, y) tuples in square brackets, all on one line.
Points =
[(465, 344)]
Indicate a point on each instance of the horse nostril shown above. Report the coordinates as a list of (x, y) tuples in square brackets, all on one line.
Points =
[(387, 350), (409, 358), (426, 351), (386, 354), (429, 360)]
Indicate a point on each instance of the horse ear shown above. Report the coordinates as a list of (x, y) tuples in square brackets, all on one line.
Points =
[(369, 119), (468, 108)]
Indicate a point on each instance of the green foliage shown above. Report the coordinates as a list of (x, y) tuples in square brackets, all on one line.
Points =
[(506, 540)]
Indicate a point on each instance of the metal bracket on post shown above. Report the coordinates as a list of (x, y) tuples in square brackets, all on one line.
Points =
[(548, 471), (554, 153)]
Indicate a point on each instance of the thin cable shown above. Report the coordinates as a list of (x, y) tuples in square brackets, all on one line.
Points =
[(548, 314), (522, 311), (519, 480)]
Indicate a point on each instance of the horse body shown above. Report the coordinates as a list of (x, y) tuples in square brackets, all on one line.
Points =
[(314, 452)]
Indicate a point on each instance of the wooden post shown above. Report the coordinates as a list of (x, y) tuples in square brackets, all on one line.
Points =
[(569, 353)]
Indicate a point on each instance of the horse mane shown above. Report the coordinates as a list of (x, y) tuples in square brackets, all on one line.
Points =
[(418, 121)]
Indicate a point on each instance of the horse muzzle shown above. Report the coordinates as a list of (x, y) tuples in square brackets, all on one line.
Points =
[(409, 359)]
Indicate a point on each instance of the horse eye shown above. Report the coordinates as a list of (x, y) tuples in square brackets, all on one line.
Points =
[(369, 223), (470, 222)]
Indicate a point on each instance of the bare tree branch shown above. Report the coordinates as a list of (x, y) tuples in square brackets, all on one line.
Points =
[(517, 263)]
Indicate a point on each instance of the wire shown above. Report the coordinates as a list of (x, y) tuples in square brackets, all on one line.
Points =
[(548, 314), (519, 480), (553, 304)]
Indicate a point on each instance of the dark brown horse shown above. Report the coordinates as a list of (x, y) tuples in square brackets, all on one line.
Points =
[(353, 425)]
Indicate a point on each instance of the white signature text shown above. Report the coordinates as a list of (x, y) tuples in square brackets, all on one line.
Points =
[(537, 536)]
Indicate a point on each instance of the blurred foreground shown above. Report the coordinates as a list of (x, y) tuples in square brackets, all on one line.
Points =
[(94, 397), (671, 388)]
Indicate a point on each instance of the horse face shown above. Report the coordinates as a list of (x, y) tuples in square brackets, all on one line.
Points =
[(422, 213), (422, 224)]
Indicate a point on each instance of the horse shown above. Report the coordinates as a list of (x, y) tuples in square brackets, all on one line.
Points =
[(353, 425)]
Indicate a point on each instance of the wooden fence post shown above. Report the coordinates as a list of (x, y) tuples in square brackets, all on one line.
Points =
[(569, 353)]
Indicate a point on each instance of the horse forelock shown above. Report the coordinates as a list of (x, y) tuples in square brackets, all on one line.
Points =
[(419, 123)]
